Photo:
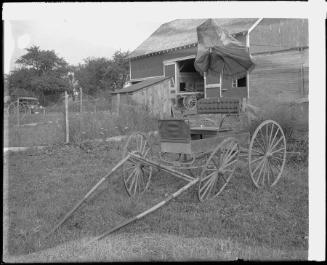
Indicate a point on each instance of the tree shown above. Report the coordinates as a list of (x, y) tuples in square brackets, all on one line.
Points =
[(100, 74), (41, 72), (43, 62), (91, 74), (119, 69)]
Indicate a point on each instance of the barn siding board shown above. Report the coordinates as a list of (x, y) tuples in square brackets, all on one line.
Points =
[(279, 78), (279, 34), (153, 65)]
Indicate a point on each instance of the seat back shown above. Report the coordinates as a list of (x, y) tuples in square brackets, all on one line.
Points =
[(219, 105), (174, 131)]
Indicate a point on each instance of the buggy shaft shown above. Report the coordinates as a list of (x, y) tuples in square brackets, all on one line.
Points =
[(163, 168), (152, 209), (113, 170)]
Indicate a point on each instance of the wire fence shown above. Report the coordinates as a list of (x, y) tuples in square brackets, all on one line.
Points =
[(72, 119)]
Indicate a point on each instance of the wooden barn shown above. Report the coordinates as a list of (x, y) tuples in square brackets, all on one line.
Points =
[(162, 71)]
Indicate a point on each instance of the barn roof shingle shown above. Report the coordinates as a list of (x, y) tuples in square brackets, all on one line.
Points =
[(182, 32)]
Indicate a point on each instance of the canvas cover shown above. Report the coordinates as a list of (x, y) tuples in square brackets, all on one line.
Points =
[(218, 51)]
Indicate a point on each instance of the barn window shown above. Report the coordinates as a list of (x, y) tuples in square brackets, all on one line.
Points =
[(239, 82)]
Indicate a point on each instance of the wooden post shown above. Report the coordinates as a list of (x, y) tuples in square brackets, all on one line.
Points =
[(302, 81), (81, 100), (221, 82), (18, 122), (66, 117), (118, 103), (205, 83)]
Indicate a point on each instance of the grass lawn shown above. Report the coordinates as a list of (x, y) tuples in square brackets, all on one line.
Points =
[(244, 222)]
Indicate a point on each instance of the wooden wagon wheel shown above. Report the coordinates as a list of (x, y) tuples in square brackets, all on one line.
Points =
[(267, 154), (218, 169), (136, 175), (189, 102)]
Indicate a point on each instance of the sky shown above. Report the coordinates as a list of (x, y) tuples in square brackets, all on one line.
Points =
[(77, 37), (80, 30)]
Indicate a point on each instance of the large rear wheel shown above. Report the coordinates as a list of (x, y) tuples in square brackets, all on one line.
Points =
[(267, 154)]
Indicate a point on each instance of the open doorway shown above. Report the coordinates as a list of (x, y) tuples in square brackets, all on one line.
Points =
[(189, 79)]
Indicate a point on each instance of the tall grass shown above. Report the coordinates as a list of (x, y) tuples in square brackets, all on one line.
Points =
[(296, 132), (104, 124)]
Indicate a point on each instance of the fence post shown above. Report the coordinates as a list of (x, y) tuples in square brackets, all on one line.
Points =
[(118, 103), (66, 117), (18, 112), (81, 99), (302, 81)]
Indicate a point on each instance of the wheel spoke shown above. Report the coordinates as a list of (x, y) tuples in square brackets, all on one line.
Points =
[(259, 153), (276, 144), (263, 141), (230, 163), (222, 175), (258, 166), (136, 181), (210, 182), (208, 176), (272, 142), (230, 154), (276, 151), (229, 151), (255, 160), (213, 182), (207, 181), (262, 148), (129, 177), (132, 184), (271, 132), (266, 137), (260, 172)]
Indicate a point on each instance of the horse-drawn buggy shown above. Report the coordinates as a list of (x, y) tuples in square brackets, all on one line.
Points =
[(200, 151)]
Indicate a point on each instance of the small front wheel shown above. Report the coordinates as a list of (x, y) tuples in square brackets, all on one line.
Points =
[(218, 169), (136, 175)]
